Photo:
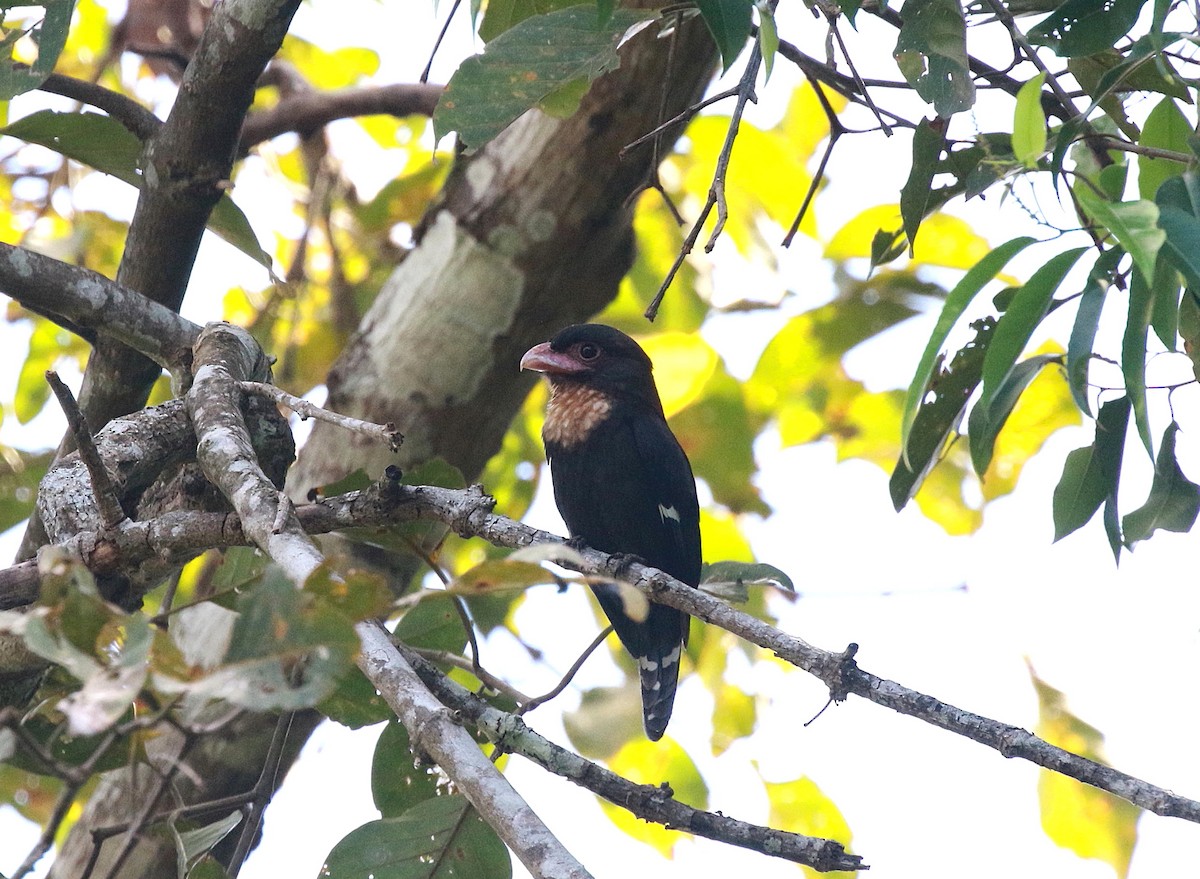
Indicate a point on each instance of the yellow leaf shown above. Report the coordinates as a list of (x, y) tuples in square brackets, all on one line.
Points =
[(722, 539), (943, 241), (683, 363), (948, 241), (1086, 820), (800, 807), (733, 718), (855, 237), (655, 763)]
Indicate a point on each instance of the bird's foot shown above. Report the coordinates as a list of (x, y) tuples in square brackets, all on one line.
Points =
[(620, 563), (576, 543)]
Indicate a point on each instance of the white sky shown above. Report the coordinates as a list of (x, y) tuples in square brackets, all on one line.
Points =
[(1122, 644)]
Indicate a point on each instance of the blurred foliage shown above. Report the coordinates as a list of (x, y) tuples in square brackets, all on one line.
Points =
[(1090, 822)]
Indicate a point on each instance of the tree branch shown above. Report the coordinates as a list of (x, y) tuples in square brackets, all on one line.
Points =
[(87, 299), (305, 112), (468, 512), (656, 804)]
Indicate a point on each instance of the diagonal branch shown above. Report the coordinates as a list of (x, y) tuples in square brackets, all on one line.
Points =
[(649, 803)]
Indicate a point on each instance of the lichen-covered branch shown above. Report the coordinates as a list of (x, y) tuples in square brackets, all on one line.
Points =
[(647, 802)]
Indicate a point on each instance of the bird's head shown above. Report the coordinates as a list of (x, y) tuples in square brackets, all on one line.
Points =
[(598, 357)]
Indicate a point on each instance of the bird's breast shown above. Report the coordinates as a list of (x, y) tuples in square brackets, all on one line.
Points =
[(574, 411)]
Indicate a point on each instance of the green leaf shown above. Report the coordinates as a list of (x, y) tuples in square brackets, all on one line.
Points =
[(1134, 224), (397, 783), (501, 15), (928, 142), (1029, 123), (1017, 324), (20, 473), (950, 388), (355, 702), (1085, 27), (106, 145), (440, 838), (1174, 500), (768, 37), (747, 573), (729, 23), (107, 695), (1133, 354), (607, 718), (527, 63), (1091, 474), (1164, 305), (50, 36), (432, 625), (1087, 320), (986, 423), (193, 845), (1166, 128), (931, 52), (99, 141), (1178, 201), (279, 631), (956, 303)]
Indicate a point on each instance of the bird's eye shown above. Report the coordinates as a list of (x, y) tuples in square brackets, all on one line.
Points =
[(588, 351)]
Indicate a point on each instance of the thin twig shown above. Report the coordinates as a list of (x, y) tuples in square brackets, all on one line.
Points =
[(107, 503), (678, 118), (139, 823), (836, 130), (449, 658), (862, 86), (61, 806), (531, 704), (1020, 40), (261, 794), (437, 43), (716, 192), (385, 433)]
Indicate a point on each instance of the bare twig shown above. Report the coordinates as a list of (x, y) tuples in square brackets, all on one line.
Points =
[(862, 87), (107, 503), (531, 704), (716, 192), (260, 795), (467, 664), (438, 42), (141, 821), (385, 433), (836, 130)]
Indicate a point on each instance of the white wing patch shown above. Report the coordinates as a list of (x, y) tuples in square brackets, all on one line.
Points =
[(668, 513)]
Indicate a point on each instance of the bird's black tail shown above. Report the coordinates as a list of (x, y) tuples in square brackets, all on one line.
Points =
[(656, 644), (658, 668)]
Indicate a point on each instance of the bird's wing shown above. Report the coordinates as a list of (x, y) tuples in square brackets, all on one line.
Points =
[(670, 486)]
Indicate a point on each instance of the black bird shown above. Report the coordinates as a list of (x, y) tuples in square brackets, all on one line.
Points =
[(623, 485)]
